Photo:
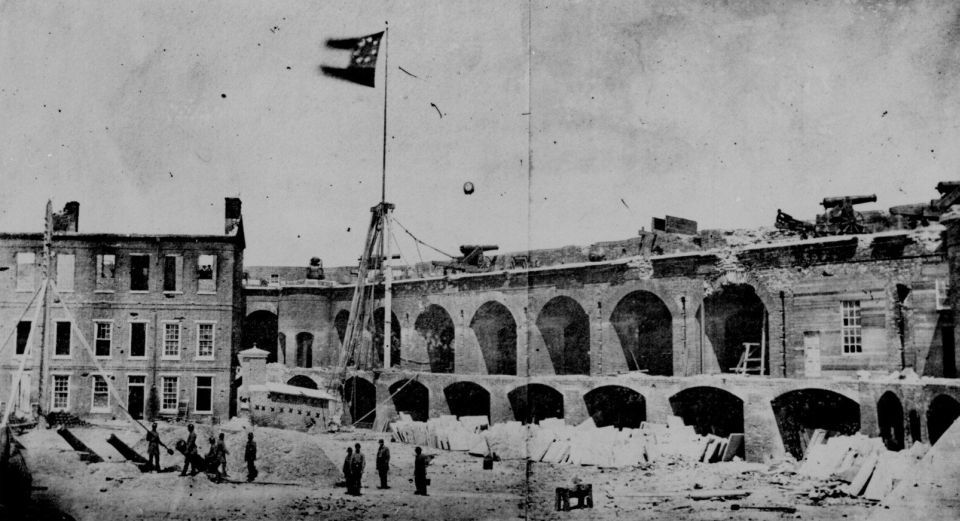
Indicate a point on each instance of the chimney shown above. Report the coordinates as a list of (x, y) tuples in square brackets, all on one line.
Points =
[(231, 215), (68, 219)]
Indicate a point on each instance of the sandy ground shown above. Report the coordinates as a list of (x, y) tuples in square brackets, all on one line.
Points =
[(299, 473)]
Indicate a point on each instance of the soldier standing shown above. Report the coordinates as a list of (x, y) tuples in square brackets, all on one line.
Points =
[(153, 448), (357, 463), (189, 451), (222, 457), (250, 456), (420, 472), (383, 464)]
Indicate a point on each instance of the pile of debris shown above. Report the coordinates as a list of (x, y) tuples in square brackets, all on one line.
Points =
[(553, 441), (861, 465)]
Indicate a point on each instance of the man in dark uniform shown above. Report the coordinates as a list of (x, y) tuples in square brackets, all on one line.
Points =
[(383, 464), (346, 470), (420, 463), (250, 456), (153, 448), (222, 457), (189, 452), (211, 460), (357, 463)]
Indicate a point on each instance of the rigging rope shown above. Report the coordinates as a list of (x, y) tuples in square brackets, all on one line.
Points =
[(421, 242)]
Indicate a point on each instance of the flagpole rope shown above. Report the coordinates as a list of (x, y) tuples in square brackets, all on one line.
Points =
[(421, 242)]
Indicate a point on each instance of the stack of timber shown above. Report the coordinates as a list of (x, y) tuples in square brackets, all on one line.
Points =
[(866, 467), (553, 441)]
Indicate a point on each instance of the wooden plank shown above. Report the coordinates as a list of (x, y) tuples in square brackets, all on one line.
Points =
[(734, 442)]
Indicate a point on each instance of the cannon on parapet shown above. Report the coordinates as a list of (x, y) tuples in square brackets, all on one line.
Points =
[(786, 222), (834, 202), (840, 218), (472, 260)]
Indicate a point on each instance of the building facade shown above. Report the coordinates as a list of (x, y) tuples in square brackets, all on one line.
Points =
[(160, 314)]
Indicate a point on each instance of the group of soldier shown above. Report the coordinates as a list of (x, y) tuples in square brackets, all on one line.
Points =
[(354, 464), (214, 462)]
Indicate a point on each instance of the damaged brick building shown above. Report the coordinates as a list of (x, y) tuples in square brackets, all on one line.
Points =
[(162, 314), (847, 331)]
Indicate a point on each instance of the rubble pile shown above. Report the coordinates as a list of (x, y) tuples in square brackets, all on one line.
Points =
[(553, 441), (861, 465)]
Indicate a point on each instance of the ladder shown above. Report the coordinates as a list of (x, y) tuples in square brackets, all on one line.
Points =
[(751, 361)]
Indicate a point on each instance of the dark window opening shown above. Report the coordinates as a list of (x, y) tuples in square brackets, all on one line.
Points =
[(138, 339), (63, 339), (139, 273), (23, 333)]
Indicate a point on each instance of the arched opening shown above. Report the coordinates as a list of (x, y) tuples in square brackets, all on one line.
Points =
[(282, 348), (890, 420), (376, 329), (616, 405), (801, 412), (496, 332), (941, 414), (302, 381), (735, 315), (436, 328), (710, 410), (645, 329), (304, 350), (565, 329), (411, 397), (340, 324), (534, 402), (467, 399), (360, 397), (260, 329)]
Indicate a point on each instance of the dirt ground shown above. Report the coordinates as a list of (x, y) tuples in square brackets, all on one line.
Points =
[(299, 473)]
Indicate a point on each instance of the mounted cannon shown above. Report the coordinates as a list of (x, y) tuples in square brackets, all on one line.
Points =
[(840, 217), (786, 222), (472, 259)]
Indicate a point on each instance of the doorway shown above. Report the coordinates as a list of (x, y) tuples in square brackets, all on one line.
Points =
[(136, 391)]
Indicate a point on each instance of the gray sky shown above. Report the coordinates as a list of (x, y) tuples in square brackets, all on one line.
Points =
[(716, 111)]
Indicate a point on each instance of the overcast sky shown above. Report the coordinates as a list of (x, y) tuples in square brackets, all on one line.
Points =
[(150, 113)]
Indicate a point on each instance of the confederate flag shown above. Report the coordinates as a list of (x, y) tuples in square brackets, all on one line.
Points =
[(363, 60)]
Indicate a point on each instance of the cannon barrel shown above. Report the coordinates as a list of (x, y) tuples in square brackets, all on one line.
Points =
[(469, 248), (832, 202)]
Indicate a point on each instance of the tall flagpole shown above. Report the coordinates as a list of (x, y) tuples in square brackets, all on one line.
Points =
[(386, 74), (385, 209)]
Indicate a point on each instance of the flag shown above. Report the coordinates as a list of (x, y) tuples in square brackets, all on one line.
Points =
[(363, 59)]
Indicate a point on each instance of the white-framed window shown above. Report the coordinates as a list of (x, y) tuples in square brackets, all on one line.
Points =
[(60, 399), (106, 272), (103, 338), (169, 393), (62, 332), (850, 330), (139, 272), (26, 270), (203, 395), (66, 264), (138, 340), (207, 274), (943, 294), (101, 394), (171, 340), (206, 332), (172, 274)]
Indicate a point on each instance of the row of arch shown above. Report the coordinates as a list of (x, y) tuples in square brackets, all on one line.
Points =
[(709, 410), (642, 321)]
